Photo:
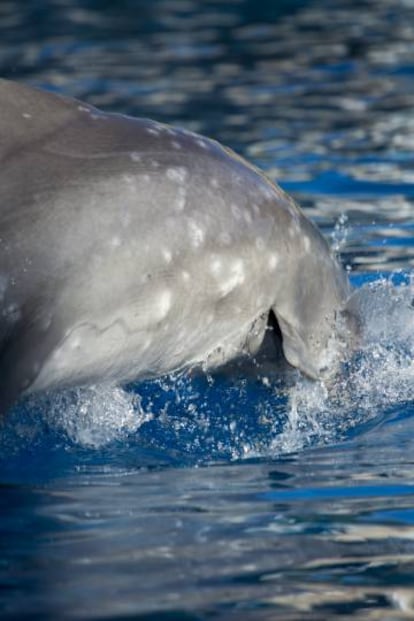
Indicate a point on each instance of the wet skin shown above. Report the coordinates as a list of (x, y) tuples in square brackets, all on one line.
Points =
[(131, 249)]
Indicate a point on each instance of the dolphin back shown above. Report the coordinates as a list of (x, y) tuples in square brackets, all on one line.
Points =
[(120, 237), (28, 114)]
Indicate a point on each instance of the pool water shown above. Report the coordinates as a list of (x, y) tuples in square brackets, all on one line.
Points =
[(231, 497)]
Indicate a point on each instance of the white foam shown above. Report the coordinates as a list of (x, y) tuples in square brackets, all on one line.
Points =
[(379, 374), (97, 415)]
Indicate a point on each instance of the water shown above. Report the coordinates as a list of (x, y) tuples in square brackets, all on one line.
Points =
[(234, 497)]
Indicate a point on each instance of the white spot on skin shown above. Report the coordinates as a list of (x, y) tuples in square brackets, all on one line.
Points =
[(115, 242), (273, 262), (214, 182), (163, 305), (83, 109), (180, 199), (235, 279), (74, 342), (155, 164), (152, 131), (247, 216), (268, 191), (26, 115), (146, 343), (294, 213), (178, 174), (306, 243), (167, 255), (135, 157), (235, 210), (197, 234), (216, 266), (185, 276), (202, 143)]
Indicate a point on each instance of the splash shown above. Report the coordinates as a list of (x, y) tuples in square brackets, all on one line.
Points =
[(95, 416), (378, 377), (90, 418), (203, 419)]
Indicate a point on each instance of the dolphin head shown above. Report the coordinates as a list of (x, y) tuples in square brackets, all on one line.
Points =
[(315, 324)]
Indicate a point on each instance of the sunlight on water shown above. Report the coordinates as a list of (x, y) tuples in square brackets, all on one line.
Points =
[(234, 496)]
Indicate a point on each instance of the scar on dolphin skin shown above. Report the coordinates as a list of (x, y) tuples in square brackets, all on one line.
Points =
[(132, 249)]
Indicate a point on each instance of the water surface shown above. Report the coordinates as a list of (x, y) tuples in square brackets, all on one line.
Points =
[(229, 497)]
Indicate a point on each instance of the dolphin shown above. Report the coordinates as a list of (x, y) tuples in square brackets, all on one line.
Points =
[(131, 249)]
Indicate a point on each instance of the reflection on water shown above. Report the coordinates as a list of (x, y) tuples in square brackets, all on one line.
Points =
[(225, 498), (329, 533)]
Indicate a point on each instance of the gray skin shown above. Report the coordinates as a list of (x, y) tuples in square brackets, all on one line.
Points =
[(131, 249)]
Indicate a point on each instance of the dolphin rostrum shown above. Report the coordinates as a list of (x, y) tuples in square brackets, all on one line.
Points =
[(131, 249)]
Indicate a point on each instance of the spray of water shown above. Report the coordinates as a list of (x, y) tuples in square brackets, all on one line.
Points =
[(377, 377), (97, 415), (212, 418)]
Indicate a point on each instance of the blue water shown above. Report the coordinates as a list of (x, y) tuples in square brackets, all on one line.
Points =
[(231, 497)]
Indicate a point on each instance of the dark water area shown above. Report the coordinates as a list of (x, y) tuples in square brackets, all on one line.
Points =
[(230, 497)]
